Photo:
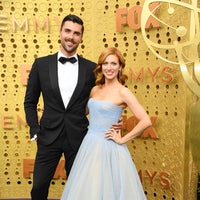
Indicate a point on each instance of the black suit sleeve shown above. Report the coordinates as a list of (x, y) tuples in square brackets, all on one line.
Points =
[(31, 100)]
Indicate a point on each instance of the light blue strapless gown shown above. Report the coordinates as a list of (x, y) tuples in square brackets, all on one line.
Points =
[(103, 169)]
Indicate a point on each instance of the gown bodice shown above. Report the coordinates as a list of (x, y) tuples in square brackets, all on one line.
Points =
[(102, 115)]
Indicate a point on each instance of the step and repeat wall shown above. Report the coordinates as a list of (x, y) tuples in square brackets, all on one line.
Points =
[(152, 37)]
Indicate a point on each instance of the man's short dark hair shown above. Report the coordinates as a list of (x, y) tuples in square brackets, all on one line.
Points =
[(74, 19)]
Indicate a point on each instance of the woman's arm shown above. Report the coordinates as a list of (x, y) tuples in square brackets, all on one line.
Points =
[(138, 111)]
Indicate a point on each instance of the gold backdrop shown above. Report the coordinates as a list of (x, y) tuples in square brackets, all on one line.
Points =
[(30, 29)]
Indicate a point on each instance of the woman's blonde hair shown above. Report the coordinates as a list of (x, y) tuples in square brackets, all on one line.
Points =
[(100, 79)]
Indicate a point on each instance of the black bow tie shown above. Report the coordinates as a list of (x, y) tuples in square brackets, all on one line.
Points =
[(64, 60)]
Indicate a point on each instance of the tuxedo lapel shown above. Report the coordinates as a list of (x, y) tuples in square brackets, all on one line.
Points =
[(80, 83), (53, 74)]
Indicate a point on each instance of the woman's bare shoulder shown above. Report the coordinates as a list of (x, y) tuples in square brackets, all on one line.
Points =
[(94, 90), (123, 90)]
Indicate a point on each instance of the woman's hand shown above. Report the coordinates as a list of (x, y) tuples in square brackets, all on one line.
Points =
[(118, 126), (114, 135)]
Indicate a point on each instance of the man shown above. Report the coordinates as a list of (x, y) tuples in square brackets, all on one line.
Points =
[(65, 89)]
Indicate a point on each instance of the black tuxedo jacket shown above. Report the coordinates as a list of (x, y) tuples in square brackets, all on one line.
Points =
[(43, 79)]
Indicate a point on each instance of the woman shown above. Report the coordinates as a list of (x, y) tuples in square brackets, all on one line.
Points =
[(103, 168)]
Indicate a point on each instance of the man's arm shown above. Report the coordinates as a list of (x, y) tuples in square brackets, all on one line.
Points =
[(31, 100)]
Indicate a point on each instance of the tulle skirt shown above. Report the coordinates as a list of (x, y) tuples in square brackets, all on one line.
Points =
[(103, 170)]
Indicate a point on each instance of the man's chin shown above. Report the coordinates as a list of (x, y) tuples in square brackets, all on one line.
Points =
[(70, 50)]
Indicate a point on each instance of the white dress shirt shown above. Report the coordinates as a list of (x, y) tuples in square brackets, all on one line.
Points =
[(67, 78)]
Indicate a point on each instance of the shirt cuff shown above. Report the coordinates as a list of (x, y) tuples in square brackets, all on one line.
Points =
[(34, 138)]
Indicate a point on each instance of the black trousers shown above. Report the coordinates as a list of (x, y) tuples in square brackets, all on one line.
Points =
[(47, 159)]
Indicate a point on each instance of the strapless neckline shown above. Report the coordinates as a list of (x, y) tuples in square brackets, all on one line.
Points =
[(105, 101)]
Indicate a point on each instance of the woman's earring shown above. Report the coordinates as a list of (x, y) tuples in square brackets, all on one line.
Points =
[(120, 74)]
